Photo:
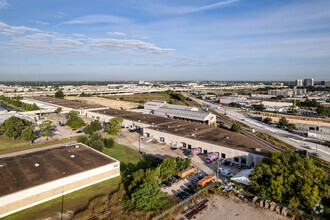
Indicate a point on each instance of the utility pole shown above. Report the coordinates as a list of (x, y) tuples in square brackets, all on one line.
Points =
[(140, 143)]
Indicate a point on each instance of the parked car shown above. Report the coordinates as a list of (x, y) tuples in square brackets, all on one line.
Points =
[(79, 132), (173, 148), (168, 183), (175, 180), (186, 194), (189, 191), (230, 175), (226, 163), (201, 176), (164, 186), (182, 196), (191, 187)]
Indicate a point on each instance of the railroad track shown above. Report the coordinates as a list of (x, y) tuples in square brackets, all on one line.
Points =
[(246, 133)]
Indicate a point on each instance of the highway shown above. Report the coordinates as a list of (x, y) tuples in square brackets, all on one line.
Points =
[(289, 138)]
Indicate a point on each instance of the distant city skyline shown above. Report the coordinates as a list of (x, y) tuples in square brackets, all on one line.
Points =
[(251, 40)]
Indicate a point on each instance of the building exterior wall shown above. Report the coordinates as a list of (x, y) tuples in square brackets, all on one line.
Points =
[(229, 152)]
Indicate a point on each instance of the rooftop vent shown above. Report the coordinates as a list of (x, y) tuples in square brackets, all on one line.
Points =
[(168, 126), (193, 135), (257, 149), (37, 164), (1, 165), (227, 137), (77, 146), (72, 156), (196, 129), (175, 129)]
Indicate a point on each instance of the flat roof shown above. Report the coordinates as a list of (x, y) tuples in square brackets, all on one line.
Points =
[(134, 116), (19, 172), (65, 103), (212, 135), (204, 133)]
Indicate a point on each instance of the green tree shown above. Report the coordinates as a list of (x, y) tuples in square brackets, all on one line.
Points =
[(108, 143), (147, 197), (58, 110), (74, 121), (59, 94), (13, 127), (236, 127), (291, 127), (283, 122), (323, 111), (289, 179), (114, 126), (46, 128), (28, 133), (168, 168), (92, 127), (97, 144), (268, 120), (83, 139)]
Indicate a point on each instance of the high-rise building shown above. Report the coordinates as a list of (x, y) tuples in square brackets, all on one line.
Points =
[(308, 82), (325, 83), (299, 82)]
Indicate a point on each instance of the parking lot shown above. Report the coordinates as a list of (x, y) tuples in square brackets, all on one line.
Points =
[(160, 150)]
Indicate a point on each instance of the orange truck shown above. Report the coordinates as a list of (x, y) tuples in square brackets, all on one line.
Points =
[(206, 180), (186, 172)]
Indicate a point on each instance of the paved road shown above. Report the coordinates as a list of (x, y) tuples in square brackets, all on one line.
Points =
[(292, 139)]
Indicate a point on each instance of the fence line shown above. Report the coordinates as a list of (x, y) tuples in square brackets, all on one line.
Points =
[(181, 203)]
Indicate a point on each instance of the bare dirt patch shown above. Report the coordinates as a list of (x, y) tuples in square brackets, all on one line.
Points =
[(106, 102)]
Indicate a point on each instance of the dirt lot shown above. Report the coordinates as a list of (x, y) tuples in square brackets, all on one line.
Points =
[(106, 102), (228, 209), (141, 98)]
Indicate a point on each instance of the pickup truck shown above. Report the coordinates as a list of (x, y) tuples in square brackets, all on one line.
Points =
[(194, 151), (211, 157)]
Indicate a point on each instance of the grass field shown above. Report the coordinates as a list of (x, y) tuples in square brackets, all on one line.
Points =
[(8, 145), (80, 199)]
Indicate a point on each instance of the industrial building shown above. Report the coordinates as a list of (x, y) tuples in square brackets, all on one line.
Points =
[(79, 107), (287, 92), (180, 112), (303, 123), (33, 178), (185, 134)]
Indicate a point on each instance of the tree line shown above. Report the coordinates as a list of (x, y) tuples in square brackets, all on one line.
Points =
[(17, 128), (18, 104), (142, 187), (291, 180)]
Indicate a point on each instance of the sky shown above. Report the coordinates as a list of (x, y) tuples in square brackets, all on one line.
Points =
[(164, 40)]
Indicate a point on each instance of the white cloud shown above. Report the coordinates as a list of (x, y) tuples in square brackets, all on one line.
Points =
[(117, 33), (162, 9), (185, 10), (3, 4), (12, 30), (47, 43), (98, 18), (40, 22)]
